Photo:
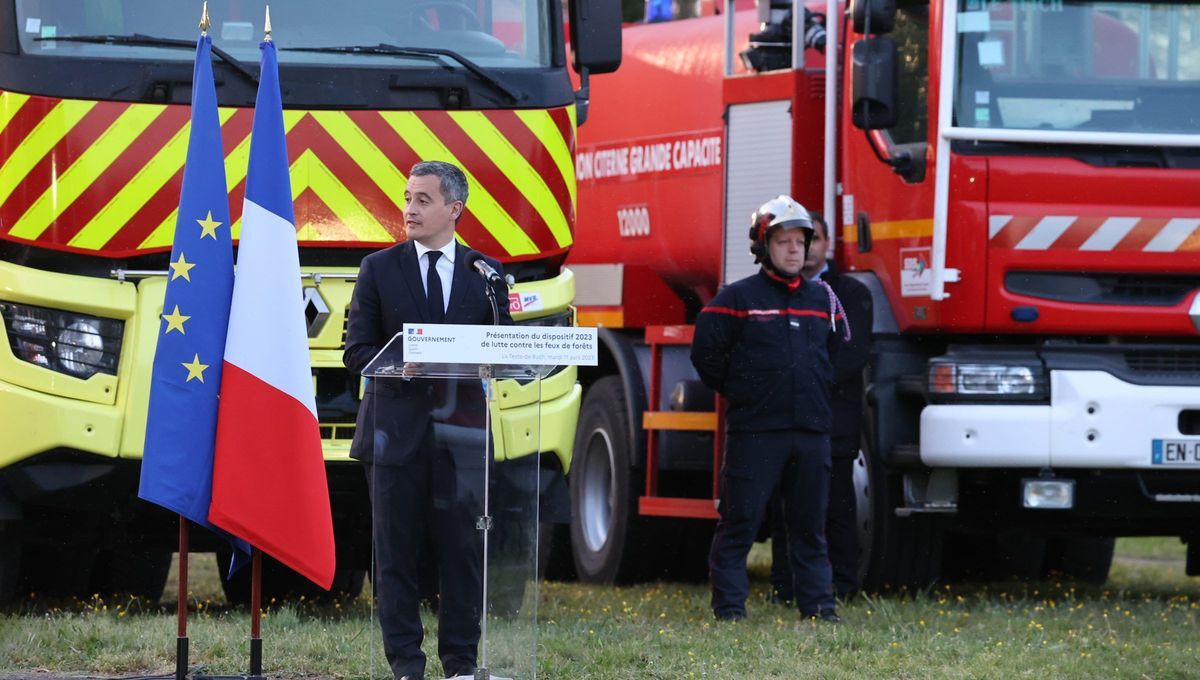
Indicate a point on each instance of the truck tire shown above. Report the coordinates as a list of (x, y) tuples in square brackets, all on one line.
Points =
[(141, 572), (604, 521), (555, 561), (897, 553), (1085, 559), (10, 560), (56, 570)]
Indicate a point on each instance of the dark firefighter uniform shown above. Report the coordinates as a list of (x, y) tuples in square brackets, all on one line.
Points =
[(765, 343)]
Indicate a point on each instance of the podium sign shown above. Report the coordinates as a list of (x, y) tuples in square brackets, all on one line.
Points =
[(456, 412), (503, 345)]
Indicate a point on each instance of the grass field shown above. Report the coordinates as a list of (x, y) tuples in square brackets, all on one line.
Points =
[(1143, 624)]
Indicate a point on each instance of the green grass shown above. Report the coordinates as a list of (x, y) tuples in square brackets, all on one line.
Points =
[(1141, 625)]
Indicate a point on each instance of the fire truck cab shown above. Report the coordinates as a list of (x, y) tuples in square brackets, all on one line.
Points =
[(1015, 182)]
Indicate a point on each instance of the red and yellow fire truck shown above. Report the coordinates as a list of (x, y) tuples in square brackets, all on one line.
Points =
[(94, 123), (1017, 182)]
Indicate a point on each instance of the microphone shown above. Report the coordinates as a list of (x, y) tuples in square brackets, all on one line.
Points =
[(475, 260)]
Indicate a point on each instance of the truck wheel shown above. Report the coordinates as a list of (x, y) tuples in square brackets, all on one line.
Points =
[(10, 559), (603, 496), (45, 571), (135, 571), (555, 561), (896, 552), (1085, 559)]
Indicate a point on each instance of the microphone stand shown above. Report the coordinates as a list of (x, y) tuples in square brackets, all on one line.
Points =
[(484, 523), (491, 296)]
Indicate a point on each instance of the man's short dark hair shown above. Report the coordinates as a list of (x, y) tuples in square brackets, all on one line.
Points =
[(453, 182), (819, 223)]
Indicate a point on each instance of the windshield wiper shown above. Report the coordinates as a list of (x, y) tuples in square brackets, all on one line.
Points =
[(151, 41), (431, 53)]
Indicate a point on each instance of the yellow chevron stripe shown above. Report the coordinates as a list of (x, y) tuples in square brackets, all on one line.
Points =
[(519, 171), (85, 170), (341, 201), (891, 230), (365, 153), (48, 132), (236, 164), (153, 175), (493, 217), (542, 126), (10, 104)]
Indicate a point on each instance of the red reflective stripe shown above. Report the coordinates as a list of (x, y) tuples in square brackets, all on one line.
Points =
[(42, 176), (1016, 229), (393, 146), (342, 166), (538, 155), (1078, 233), (508, 196), (562, 120), (1142, 233), (119, 173), (725, 310), (743, 313), (166, 199)]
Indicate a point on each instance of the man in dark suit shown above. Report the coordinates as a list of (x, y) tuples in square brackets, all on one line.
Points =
[(841, 525), (420, 488)]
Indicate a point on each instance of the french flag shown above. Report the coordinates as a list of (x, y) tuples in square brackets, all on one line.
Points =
[(269, 484)]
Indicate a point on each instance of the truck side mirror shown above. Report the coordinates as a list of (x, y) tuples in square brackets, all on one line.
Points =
[(880, 14), (875, 75), (595, 35)]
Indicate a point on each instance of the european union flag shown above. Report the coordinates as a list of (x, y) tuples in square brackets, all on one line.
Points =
[(177, 462)]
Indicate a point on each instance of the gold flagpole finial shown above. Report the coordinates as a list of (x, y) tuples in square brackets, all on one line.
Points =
[(204, 22), (267, 25)]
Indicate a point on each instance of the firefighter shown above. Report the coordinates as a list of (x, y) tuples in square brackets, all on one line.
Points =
[(765, 343), (841, 530)]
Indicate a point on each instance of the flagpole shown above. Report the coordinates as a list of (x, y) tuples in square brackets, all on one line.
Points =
[(181, 642), (256, 615)]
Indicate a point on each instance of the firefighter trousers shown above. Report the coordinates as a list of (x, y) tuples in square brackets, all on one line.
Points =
[(841, 535), (798, 462)]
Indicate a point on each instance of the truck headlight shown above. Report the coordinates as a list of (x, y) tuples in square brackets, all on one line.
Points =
[(1048, 494), (951, 378), (67, 342)]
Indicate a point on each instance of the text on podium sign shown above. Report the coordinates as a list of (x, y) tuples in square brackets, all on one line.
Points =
[(469, 344)]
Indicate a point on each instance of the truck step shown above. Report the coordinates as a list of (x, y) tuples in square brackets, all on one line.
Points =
[(661, 506), (704, 421)]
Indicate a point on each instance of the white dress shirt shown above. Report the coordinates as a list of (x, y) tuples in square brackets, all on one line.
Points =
[(445, 269)]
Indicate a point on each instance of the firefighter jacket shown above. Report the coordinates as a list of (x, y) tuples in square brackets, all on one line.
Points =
[(766, 345), (852, 358)]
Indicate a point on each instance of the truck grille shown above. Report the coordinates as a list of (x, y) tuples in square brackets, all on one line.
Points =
[(1151, 290), (1164, 361), (337, 403), (342, 431)]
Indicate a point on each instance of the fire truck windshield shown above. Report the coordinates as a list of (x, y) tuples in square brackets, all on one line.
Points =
[(1066, 65), (491, 33)]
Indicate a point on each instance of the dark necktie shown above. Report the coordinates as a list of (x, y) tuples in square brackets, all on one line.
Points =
[(433, 284)]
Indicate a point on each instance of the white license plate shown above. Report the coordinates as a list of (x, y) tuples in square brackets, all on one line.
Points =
[(1175, 452)]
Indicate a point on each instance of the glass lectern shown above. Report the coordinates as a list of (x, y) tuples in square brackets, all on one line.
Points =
[(455, 473)]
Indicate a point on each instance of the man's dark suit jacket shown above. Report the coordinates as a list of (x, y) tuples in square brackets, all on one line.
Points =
[(849, 362), (389, 293)]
